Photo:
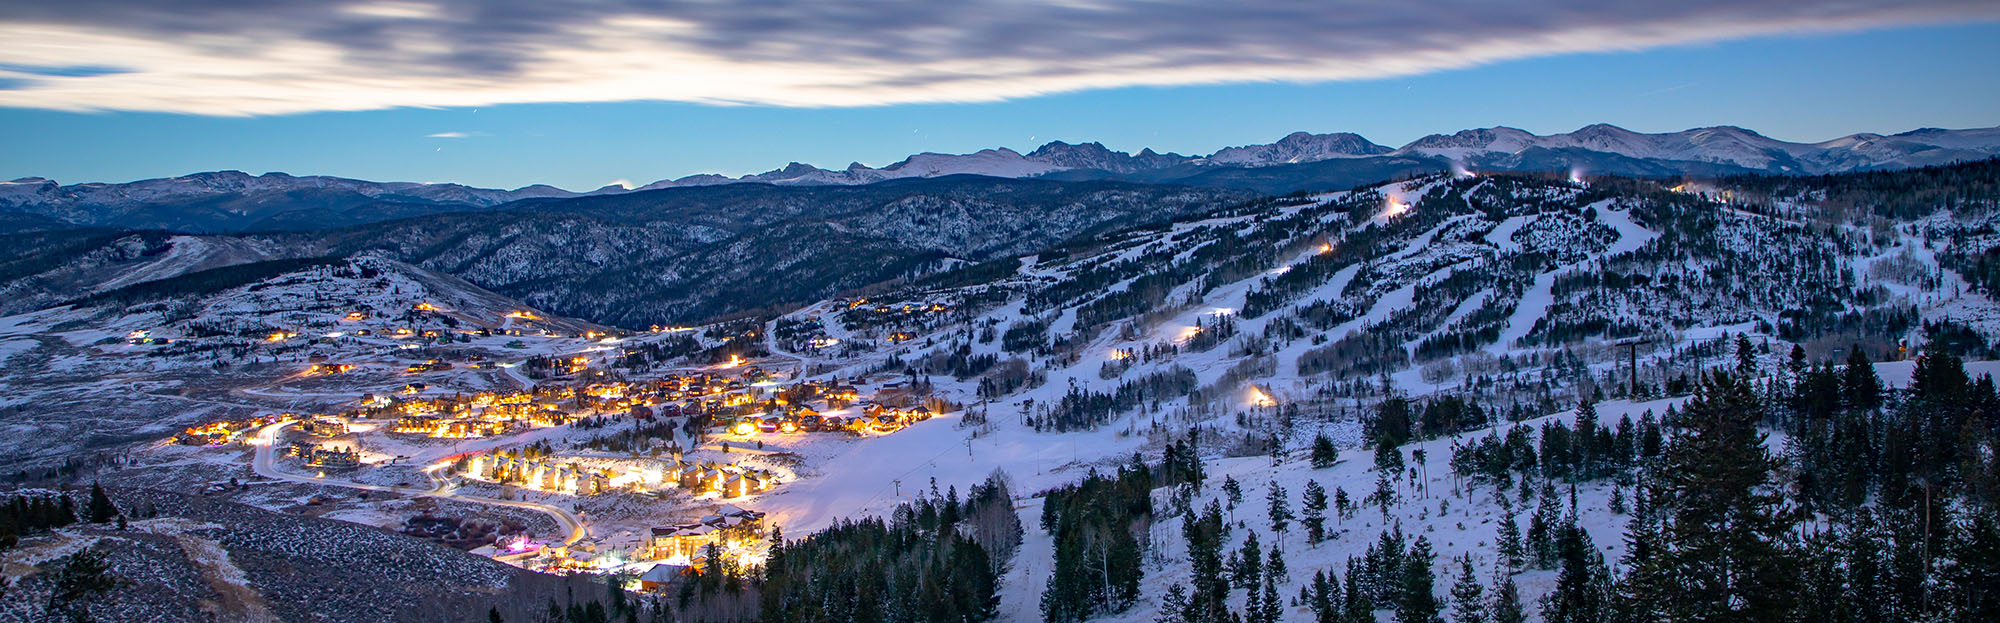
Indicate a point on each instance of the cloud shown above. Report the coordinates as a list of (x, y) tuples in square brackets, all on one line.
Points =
[(447, 135), (239, 57)]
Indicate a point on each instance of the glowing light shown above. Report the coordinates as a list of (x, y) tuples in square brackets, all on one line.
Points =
[(744, 428), (1396, 206), (734, 361), (1325, 248), (1260, 399), (520, 544), (1188, 333), (1576, 176)]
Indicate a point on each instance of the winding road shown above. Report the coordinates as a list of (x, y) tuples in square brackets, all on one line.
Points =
[(266, 466)]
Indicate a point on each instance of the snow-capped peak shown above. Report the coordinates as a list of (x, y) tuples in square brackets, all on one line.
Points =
[(1300, 147)]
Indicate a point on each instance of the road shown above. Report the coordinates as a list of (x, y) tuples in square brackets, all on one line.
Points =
[(267, 467)]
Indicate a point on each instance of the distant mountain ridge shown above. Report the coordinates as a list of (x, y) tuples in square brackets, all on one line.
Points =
[(1725, 146), (236, 201)]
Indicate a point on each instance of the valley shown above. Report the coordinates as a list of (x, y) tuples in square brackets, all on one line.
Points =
[(1228, 353)]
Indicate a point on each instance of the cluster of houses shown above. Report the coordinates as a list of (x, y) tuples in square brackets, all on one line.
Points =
[(145, 338), (469, 416), (324, 368), (554, 475), (686, 545), (222, 432), (860, 419), (726, 480), (862, 313), (543, 475), (448, 428), (433, 365), (324, 427), (325, 457)]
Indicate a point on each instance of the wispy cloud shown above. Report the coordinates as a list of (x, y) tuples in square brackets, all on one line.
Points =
[(235, 57), (447, 135)]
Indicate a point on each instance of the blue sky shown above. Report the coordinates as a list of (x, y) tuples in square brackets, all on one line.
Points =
[(1804, 87)]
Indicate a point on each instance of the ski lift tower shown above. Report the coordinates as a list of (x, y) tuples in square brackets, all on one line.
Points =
[(1631, 345)]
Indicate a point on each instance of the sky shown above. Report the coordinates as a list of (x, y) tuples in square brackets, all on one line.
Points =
[(580, 94)]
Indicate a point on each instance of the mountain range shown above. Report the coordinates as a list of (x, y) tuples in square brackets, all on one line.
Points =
[(236, 201)]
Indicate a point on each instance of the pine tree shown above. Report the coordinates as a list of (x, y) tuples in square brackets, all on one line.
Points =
[(1974, 550), (1513, 552), (1581, 580), (1321, 598), (1233, 492), (1468, 598), (83, 577), (1507, 602), (1419, 600), (1253, 610), (1173, 606), (1746, 357), (1388, 459), (1274, 564), (1384, 495), (1249, 564), (1724, 541), (101, 508), (1271, 606), (1583, 447), (1642, 594), (1314, 515), (1541, 530), (1861, 389), (1208, 602), (1279, 510), (1324, 454)]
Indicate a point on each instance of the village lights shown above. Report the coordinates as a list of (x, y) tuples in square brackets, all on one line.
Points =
[(744, 428)]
